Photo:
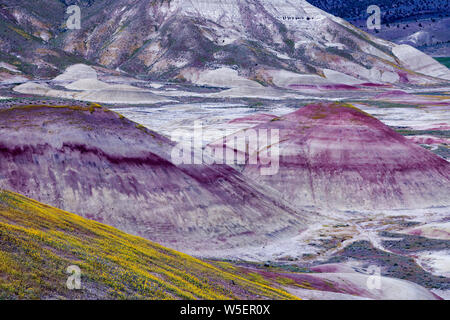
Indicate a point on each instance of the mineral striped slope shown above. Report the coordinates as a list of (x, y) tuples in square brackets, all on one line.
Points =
[(99, 164), (336, 156), (258, 38)]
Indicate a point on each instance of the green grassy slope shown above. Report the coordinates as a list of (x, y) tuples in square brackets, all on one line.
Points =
[(444, 60), (38, 243)]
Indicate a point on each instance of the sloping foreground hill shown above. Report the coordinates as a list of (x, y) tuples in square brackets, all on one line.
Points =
[(104, 167), (38, 243), (334, 155)]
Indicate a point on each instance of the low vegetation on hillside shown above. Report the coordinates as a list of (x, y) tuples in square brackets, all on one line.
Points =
[(38, 243)]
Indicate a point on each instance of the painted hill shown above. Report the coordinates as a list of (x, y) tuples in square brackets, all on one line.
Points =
[(254, 37), (105, 167), (181, 41), (338, 157), (39, 242), (422, 24)]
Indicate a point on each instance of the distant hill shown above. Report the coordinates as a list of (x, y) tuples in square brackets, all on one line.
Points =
[(422, 24), (338, 157), (173, 40)]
